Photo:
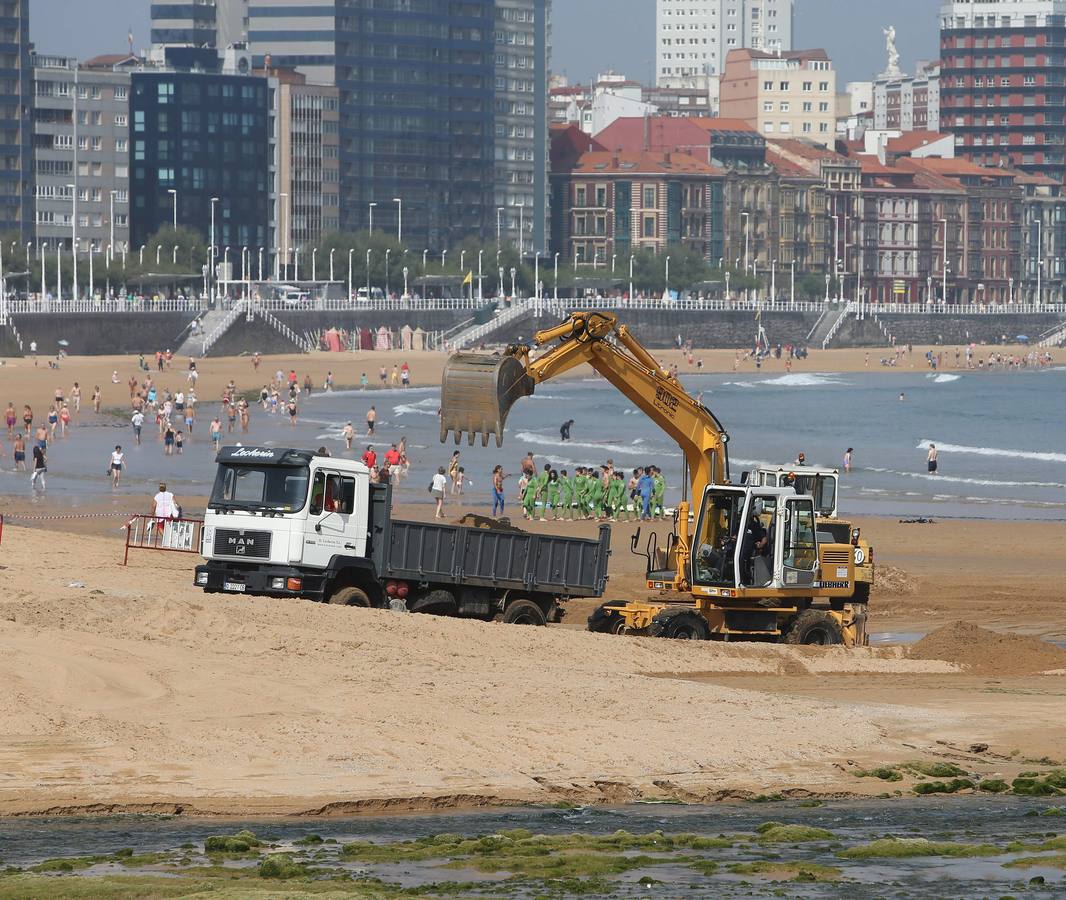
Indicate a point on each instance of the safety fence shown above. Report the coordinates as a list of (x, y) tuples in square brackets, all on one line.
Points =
[(153, 533)]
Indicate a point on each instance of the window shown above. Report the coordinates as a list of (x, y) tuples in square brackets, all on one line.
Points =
[(649, 198), (649, 227), (823, 86), (801, 549), (120, 120)]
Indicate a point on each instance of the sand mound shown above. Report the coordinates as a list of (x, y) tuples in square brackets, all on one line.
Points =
[(989, 653), (894, 582)]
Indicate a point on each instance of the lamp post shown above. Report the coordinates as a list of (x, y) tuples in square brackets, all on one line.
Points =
[(173, 193), (59, 271), (480, 294), (773, 281), (281, 251), (140, 256), (499, 226), (399, 219), (174, 258), (928, 289), (667, 291), (555, 286), (425, 256), (462, 261), (225, 267), (295, 263), (614, 259), (1010, 286), (314, 263), (944, 263), (371, 206), (367, 273), (792, 287), (405, 281), (111, 245), (499, 282), (1040, 259), (73, 236), (44, 259), (351, 250), (388, 250), (332, 250), (260, 273), (727, 284), (92, 286), (536, 275), (630, 277), (158, 250), (827, 280), (443, 259), (513, 270)]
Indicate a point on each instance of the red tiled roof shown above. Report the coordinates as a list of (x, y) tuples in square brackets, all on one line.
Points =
[(913, 140), (568, 142), (783, 164), (950, 167), (665, 132), (642, 163)]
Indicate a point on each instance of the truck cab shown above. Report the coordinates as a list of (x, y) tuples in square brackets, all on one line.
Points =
[(278, 518)]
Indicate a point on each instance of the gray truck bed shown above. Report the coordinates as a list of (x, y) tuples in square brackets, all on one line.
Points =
[(503, 559)]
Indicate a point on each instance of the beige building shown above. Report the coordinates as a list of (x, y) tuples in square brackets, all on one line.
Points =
[(790, 95), (308, 157)]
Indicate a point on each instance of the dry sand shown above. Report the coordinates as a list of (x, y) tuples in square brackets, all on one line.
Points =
[(129, 689), (22, 382)]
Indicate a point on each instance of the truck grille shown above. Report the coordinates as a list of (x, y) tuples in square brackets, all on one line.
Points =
[(246, 544), (836, 557)]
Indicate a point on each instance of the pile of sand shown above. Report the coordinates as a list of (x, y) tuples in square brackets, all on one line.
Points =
[(985, 652), (891, 581)]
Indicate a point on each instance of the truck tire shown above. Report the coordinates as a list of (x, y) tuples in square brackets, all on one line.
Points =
[(437, 603), (523, 612), (606, 621), (680, 625), (814, 626), (350, 596)]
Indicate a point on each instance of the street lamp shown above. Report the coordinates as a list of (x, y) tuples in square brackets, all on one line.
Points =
[(480, 294), (295, 263), (405, 281), (211, 255), (425, 255), (92, 253), (332, 250), (555, 286), (944, 272), (140, 256), (727, 284), (928, 289), (827, 280), (443, 258), (260, 264), (388, 250), (158, 250), (792, 287), (1010, 285), (112, 225), (281, 256), (73, 237), (499, 226), (462, 261), (314, 263), (1040, 259), (367, 273), (371, 206), (773, 281), (630, 277), (614, 259), (513, 270), (174, 258), (399, 218), (747, 221), (173, 193), (667, 276), (44, 259), (351, 250)]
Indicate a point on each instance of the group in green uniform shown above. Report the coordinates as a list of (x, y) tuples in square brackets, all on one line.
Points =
[(589, 493)]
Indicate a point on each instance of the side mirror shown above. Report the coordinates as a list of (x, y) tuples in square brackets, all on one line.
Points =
[(634, 541)]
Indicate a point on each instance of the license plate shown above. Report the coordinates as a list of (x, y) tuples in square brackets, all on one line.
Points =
[(232, 586)]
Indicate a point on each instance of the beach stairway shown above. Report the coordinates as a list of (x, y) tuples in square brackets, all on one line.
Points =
[(213, 324), (829, 325), (478, 333)]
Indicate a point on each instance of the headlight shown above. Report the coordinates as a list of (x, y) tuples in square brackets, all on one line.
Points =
[(201, 578), (860, 556), (854, 534), (277, 584)]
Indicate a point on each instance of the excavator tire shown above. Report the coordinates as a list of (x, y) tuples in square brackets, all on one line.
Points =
[(523, 612), (814, 626), (606, 621), (350, 596), (680, 625)]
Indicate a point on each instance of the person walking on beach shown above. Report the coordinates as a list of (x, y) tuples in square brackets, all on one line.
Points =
[(348, 432), (437, 488), (847, 460), (137, 421), (40, 467), (931, 459), (118, 462), (216, 433), (9, 417), (371, 420), (18, 448), (497, 489)]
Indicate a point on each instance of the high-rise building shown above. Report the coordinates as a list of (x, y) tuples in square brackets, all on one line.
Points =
[(296, 34), (199, 23), (1001, 85), (521, 142), (16, 107), (693, 37), (908, 102), (197, 135), (787, 95), (81, 138)]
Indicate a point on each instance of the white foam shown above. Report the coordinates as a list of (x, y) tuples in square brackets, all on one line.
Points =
[(1037, 455), (373, 392), (639, 449), (956, 479), (405, 410), (943, 378), (805, 379)]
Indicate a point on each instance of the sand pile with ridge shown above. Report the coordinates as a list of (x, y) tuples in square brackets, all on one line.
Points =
[(985, 652)]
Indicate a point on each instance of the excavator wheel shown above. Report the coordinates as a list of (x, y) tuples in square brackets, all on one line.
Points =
[(606, 621), (477, 392), (814, 626), (680, 625)]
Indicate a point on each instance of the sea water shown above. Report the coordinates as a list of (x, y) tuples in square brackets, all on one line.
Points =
[(1000, 436)]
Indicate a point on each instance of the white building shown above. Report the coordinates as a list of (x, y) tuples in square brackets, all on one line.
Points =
[(692, 37)]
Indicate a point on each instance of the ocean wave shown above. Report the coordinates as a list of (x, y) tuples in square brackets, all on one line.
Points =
[(806, 379), (740, 384), (957, 479), (942, 378), (635, 449), (1037, 455), (373, 392)]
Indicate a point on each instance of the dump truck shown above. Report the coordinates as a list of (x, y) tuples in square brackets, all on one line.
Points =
[(291, 523), (755, 566)]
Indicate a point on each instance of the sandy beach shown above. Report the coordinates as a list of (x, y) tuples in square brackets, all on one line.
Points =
[(128, 689)]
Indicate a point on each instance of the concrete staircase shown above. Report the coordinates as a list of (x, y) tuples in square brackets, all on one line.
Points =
[(477, 334), (1053, 337), (213, 324), (828, 326)]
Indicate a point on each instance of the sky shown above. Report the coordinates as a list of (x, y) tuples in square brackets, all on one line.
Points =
[(590, 36)]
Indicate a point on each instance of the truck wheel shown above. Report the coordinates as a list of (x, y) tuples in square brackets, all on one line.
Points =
[(438, 603), (814, 626), (350, 596), (680, 625), (523, 612), (606, 621)]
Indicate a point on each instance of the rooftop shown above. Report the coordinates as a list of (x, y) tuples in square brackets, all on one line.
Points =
[(642, 163)]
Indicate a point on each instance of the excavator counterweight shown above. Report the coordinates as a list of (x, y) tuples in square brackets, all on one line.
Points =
[(477, 393)]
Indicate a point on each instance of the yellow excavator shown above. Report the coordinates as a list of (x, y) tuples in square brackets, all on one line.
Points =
[(755, 567)]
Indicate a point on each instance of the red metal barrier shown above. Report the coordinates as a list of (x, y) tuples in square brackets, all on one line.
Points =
[(152, 533)]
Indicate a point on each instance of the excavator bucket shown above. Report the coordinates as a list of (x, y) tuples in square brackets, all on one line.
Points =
[(477, 392)]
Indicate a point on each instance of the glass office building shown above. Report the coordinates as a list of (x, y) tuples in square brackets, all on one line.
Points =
[(16, 120)]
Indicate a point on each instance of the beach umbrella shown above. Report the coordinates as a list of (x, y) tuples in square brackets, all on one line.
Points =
[(63, 343), (1022, 338)]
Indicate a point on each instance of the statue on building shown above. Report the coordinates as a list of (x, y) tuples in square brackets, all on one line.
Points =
[(893, 54)]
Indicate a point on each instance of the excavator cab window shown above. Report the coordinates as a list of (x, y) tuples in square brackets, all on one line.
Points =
[(720, 522)]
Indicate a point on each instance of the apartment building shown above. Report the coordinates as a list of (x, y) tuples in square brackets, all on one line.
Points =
[(790, 94), (81, 151), (908, 102), (16, 105)]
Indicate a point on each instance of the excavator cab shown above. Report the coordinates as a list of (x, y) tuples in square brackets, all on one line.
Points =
[(477, 393)]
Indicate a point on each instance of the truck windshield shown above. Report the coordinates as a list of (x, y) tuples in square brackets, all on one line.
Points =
[(265, 487), (823, 489)]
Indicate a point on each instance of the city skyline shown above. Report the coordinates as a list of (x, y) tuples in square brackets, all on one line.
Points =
[(855, 43)]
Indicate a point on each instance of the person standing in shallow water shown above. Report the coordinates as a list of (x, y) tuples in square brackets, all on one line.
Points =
[(847, 459), (931, 459)]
